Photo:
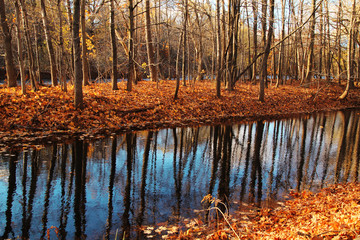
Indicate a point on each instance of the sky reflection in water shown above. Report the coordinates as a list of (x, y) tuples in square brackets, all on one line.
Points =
[(92, 189)]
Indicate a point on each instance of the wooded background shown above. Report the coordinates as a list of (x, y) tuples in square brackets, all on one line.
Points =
[(283, 41)]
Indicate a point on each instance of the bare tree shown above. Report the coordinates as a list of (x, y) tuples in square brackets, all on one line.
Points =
[(78, 91), (149, 44), (350, 52), (85, 64), (266, 47), (338, 40), (177, 67), (279, 79), (255, 45), (26, 28), (310, 60), (113, 45), (9, 59), (49, 44), (131, 70), (61, 49), (218, 50), (20, 48), (184, 49)]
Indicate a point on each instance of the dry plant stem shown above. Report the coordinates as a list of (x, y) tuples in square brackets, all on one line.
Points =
[(116, 234), (339, 231), (227, 221)]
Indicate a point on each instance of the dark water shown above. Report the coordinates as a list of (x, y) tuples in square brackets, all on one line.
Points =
[(93, 189)]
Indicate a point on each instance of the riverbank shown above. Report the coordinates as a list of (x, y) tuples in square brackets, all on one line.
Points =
[(48, 114), (332, 213)]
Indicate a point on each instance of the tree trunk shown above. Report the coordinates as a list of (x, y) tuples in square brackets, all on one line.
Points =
[(279, 79), (78, 92), (37, 54), (218, 51), (113, 45), (329, 54), (20, 48), (69, 17), (9, 59), (157, 57), (177, 67), (199, 55), (338, 40), (149, 44), (249, 58), (131, 72), (264, 61), (85, 64), (184, 42), (232, 53), (168, 47), (322, 44), (61, 49), (350, 53), (49, 45), (300, 47), (267, 50), (310, 60), (255, 45), (29, 41)]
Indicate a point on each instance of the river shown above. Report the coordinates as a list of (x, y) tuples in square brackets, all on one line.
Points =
[(93, 189)]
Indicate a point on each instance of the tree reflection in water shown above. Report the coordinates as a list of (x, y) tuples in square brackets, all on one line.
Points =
[(94, 189)]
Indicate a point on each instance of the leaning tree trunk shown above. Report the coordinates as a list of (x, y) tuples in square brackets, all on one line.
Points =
[(49, 45), (9, 59)]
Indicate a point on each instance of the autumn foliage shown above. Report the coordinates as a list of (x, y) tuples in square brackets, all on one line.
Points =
[(49, 114), (332, 213)]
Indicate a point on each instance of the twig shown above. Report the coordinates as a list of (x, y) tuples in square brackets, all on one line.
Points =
[(279, 42), (216, 208), (337, 231)]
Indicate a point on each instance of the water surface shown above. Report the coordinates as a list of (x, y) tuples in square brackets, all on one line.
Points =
[(91, 189)]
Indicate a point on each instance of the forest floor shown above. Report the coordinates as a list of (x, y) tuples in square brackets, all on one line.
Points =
[(332, 213), (49, 114)]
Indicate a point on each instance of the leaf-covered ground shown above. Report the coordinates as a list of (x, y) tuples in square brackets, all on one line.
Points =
[(332, 213), (49, 114)]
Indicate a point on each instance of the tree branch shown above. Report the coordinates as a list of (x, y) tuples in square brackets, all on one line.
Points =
[(278, 43)]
